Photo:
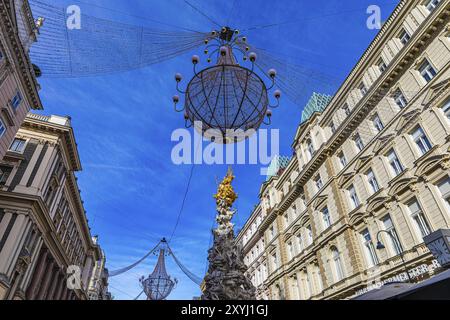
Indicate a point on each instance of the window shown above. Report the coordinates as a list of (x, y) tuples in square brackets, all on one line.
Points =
[(310, 148), (337, 265), (318, 182), (309, 235), (5, 171), (290, 251), (346, 109), (353, 196), (274, 261), (393, 238), (358, 142), (421, 140), (444, 188), (333, 127), (362, 88), (300, 243), (427, 71), (372, 181), (342, 159), (326, 218), (18, 145), (446, 109), (404, 37), (432, 4), (381, 65), (400, 99), (420, 223), (377, 123), (294, 210), (395, 163), (369, 249), (16, 100), (2, 128)]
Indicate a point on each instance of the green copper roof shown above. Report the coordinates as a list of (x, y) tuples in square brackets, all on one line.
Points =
[(317, 103), (278, 162)]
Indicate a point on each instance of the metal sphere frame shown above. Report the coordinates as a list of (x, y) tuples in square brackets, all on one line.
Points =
[(226, 102)]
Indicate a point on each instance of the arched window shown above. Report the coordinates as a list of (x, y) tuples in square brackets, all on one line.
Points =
[(337, 264)]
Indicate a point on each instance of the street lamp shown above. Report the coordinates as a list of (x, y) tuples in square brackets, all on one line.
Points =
[(381, 246)]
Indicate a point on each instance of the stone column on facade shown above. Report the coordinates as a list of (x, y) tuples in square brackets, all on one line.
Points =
[(53, 284), (46, 281), (34, 263), (38, 274), (60, 290), (13, 244)]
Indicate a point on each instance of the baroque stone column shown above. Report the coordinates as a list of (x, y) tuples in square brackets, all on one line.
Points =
[(226, 279)]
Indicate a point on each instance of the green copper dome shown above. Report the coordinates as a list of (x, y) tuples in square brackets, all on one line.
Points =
[(317, 103), (278, 163)]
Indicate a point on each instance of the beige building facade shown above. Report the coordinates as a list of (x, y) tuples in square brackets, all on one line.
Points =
[(46, 248), (18, 84), (372, 167)]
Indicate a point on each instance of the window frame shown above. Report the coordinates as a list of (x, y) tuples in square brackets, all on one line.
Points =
[(326, 218), (396, 161), (22, 149), (3, 128), (400, 98), (422, 142), (377, 123), (369, 249), (427, 70), (353, 195), (404, 36), (372, 180)]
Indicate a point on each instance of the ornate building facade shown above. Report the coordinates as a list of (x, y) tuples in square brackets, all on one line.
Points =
[(98, 284), (370, 174), (45, 238), (18, 85)]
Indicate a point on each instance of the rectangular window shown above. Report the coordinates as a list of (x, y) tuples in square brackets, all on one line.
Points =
[(5, 171), (382, 65), (377, 123), (18, 145), (333, 127), (290, 251), (393, 238), (432, 4), (358, 142), (420, 223), (353, 196), (318, 182), (421, 140), (346, 109), (274, 261), (326, 218), (342, 159), (400, 99), (369, 249), (404, 37), (16, 100), (446, 109), (362, 88), (2, 128), (310, 148), (444, 188), (372, 181), (427, 71), (395, 162)]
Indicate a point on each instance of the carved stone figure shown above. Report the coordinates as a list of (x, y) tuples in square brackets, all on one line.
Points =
[(226, 279)]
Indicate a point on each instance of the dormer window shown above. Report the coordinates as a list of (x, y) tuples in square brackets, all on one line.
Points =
[(404, 37), (432, 4), (382, 65), (362, 88), (346, 109)]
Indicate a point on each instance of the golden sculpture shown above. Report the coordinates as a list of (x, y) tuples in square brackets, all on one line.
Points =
[(225, 191)]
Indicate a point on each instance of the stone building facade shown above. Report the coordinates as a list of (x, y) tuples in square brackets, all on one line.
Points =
[(18, 84), (45, 239), (372, 167), (98, 284)]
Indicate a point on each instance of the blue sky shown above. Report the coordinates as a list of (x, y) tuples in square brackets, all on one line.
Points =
[(123, 124)]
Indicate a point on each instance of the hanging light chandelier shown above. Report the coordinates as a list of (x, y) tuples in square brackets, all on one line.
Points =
[(227, 102)]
